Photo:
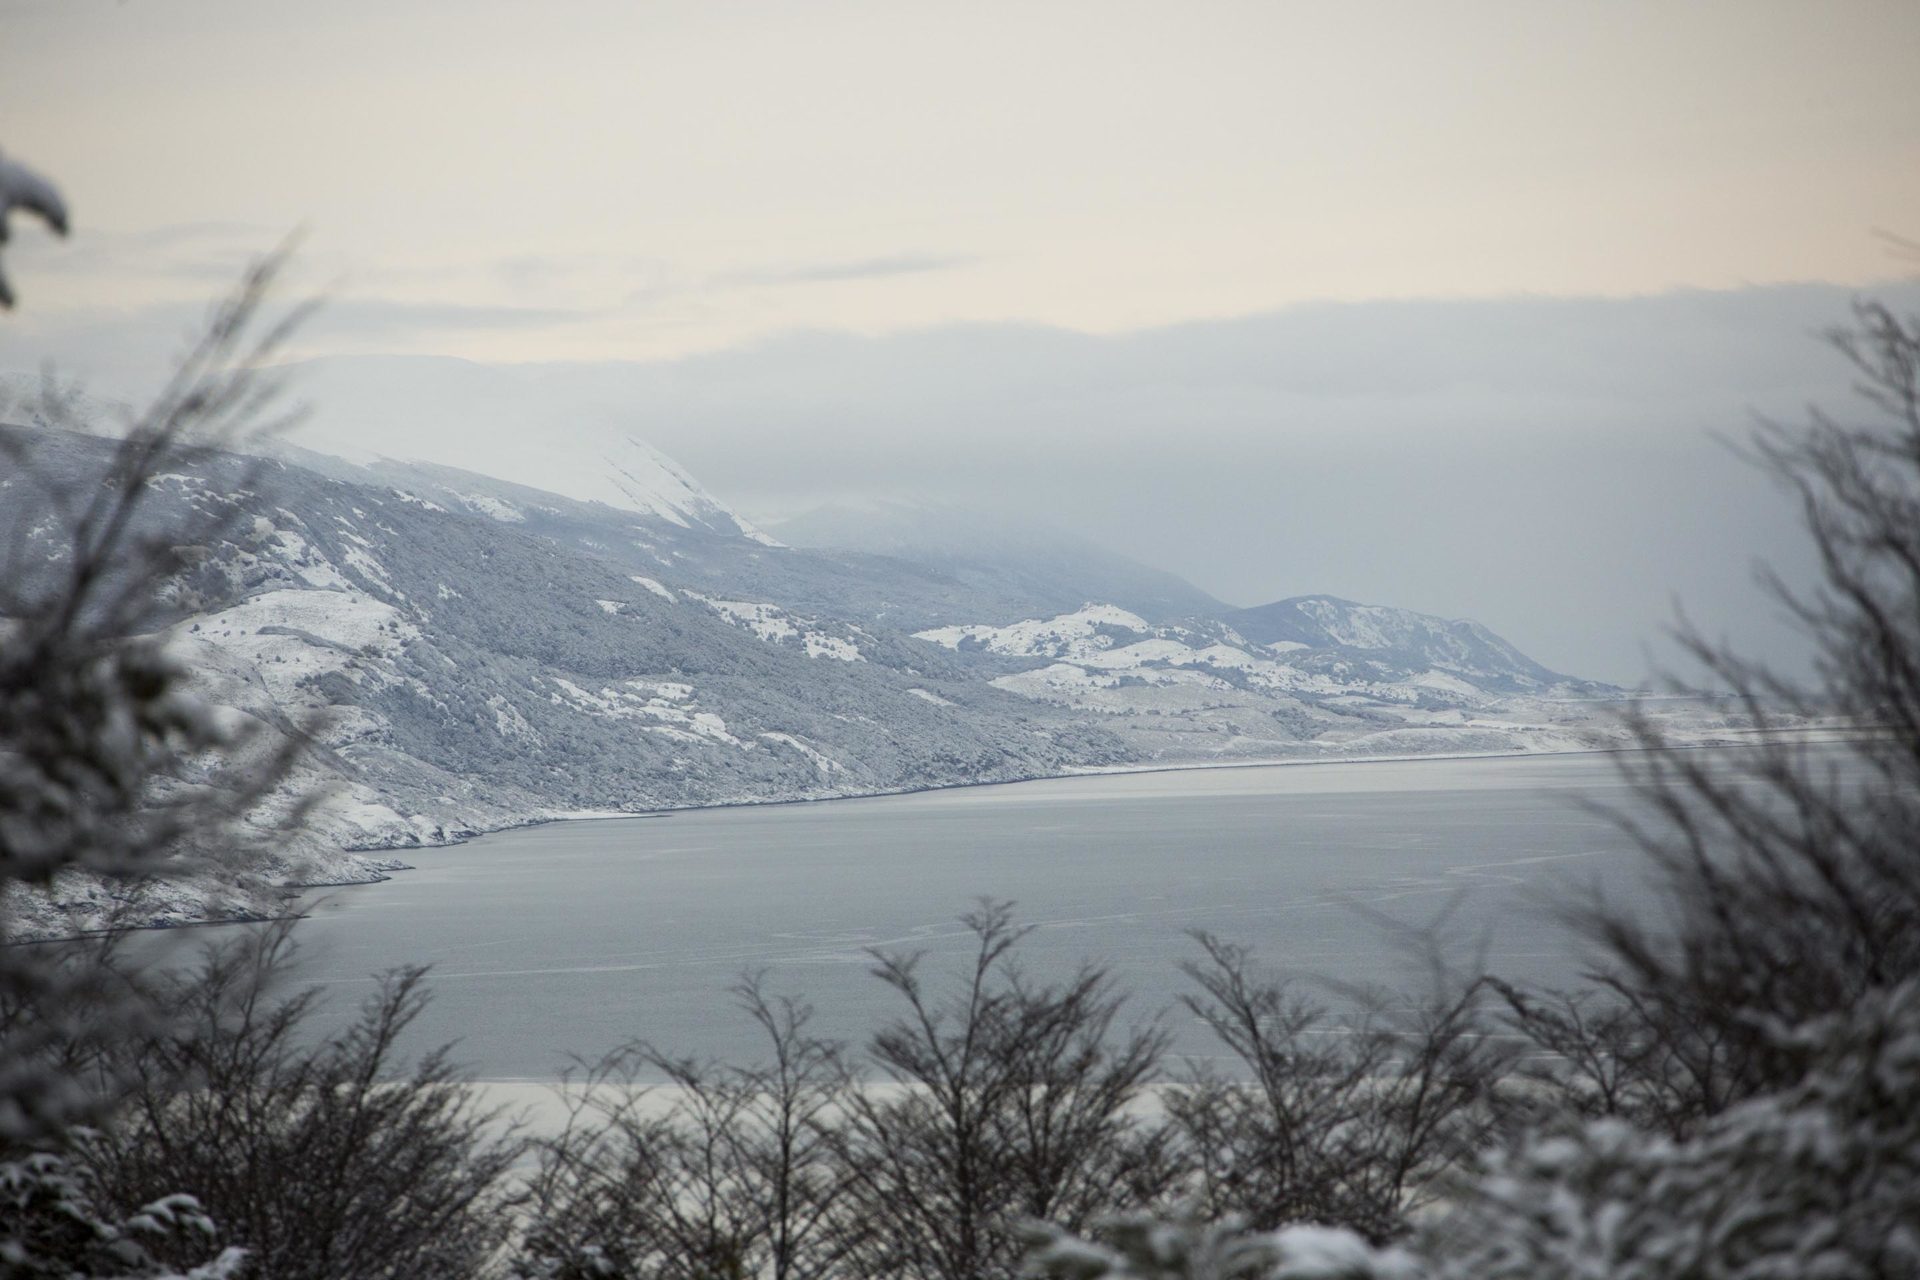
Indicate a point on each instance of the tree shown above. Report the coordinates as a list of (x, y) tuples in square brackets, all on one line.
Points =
[(1012, 1101), (1735, 1097), (1788, 867), (326, 1158), (22, 188), (1346, 1122), (56, 1230), (147, 1115), (723, 1171), (1187, 1246), (1819, 1178), (109, 767)]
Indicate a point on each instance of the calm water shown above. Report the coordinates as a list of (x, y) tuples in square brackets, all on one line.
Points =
[(576, 936)]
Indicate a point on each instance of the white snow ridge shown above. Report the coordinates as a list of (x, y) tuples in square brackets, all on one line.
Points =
[(638, 477)]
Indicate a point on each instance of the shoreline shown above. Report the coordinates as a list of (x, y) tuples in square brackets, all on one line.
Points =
[(1085, 771), (294, 893)]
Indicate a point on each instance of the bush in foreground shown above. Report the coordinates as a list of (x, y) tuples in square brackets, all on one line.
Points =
[(1739, 1096)]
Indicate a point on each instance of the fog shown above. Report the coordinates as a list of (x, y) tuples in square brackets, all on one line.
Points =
[(1562, 470)]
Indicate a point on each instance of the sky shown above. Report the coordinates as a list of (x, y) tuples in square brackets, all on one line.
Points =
[(1283, 297)]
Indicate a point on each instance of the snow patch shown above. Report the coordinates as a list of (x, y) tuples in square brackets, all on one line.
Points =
[(1059, 677), (634, 476), (364, 564), (1139, 654), (293, 635), (775, 625), (767, 621), (1076, 635), (493, 508), (820, 645), (645, 701), (307, 564), (508, 721)]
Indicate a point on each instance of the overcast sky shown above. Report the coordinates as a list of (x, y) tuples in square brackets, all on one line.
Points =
[(1145, 268)]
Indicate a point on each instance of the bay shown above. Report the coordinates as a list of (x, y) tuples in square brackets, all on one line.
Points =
[(572, 937)]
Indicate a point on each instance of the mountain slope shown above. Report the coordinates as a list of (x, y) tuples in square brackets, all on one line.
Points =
[(476, 666), (1395, 639), (1200, 688)]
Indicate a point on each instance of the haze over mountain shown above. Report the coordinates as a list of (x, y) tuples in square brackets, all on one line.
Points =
[(1555, 467), (1020, 558)]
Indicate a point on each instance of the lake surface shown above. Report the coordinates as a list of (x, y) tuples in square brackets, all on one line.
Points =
[(576, 936)]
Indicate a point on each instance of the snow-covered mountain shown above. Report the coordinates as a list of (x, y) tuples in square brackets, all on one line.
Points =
[(1201, 687), (633, 476), (402, 411), (609, 468), (1398, 639), (480, 652)]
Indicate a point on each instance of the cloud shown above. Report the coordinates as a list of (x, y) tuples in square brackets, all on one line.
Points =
[(127, 351), (365, 319), (188, 252), (897, 264)]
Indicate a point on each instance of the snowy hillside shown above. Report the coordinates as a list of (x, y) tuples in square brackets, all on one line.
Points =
[(626, 473), (1376, 682), (1398, 638), (471, 653), (475, 654), (1086, 633)]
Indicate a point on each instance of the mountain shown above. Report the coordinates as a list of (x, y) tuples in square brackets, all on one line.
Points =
[(609, 467), (1396, 641), (1200, 689), (1039, 569), (478, 654), (475, 653), (628, 474)]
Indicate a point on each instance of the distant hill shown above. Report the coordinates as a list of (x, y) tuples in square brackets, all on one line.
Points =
[(1397, 638)]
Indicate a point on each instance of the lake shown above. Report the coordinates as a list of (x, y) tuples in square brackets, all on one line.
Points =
[(576, 936)]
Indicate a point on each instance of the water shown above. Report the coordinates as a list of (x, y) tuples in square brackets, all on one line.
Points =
[(577, 936)]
